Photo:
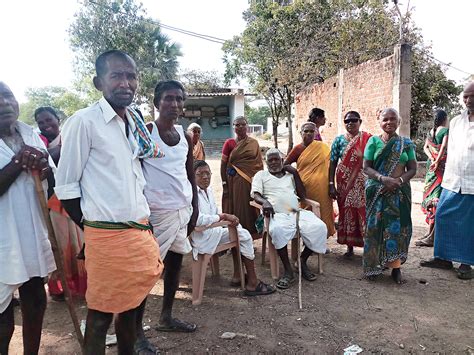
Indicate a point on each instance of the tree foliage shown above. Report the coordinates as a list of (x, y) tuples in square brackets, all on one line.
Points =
[(257, 115), (285, 48), (199, 81), (101, 25)]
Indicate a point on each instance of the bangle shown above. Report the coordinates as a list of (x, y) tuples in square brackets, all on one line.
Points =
[(401, 179), (331, 183), (379, 178)]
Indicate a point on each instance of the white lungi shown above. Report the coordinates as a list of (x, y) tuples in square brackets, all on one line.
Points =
[(313, 231), (207, 242), (171, 230)]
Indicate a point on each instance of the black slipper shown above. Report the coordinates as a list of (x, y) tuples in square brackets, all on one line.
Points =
[(261, 290), (437, 264), (285, 282), (144, 347), (177, 326), (308, 275)]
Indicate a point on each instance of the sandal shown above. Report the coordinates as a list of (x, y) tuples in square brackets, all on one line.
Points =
[(466, 274), (261, 290), (285, 282), (308, 275), (437, 264), (424, 243), (177, 326), (144, 347)]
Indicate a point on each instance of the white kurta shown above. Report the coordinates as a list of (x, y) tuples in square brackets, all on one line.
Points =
[(280, 192), (25, 251), (207, 241)]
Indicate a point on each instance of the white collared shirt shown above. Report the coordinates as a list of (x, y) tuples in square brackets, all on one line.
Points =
[(99, 164), (459, 173)]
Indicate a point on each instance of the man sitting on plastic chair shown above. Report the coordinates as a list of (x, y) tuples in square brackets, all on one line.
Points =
[(206, 242), (277, 190)]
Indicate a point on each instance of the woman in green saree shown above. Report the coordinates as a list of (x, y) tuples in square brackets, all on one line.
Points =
[(436, 146), (389, 163)]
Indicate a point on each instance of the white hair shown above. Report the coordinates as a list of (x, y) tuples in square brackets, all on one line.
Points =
[(192, 126), (392, 110), (272, 151), (307, 124)]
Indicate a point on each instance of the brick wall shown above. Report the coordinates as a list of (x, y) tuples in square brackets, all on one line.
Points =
[(366, 88)]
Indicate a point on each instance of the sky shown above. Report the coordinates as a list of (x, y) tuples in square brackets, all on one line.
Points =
[(35, 49)]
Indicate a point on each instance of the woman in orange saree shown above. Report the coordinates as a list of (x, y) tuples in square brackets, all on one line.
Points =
[(312, 164), (241, 159)]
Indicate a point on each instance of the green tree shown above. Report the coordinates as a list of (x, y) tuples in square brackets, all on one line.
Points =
[(257, 115), (64, 101), (101, 25), (287, 47), (199, 81)]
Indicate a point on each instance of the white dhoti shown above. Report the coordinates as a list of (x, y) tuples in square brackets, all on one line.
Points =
[(207, 242), (170, 229), (313, 231)]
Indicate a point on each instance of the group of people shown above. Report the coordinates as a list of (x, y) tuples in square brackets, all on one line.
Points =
[(126, 196)]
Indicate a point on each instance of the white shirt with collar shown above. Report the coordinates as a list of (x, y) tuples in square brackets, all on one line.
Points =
[(459, 172), (100, 165), (25, 251)]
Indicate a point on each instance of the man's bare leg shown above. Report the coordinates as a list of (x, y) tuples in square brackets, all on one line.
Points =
[(97, 324), (235, 259), (33, 306), (283, 254), (7, 327), (142, 345), (125, 328), (173, 262), (251, 273)]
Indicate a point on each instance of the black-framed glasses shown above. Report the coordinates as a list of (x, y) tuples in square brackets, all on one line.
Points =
[(351, 120), (308, 131), (240, 124)]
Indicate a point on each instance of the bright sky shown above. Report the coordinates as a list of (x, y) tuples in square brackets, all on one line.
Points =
[(35, 48)]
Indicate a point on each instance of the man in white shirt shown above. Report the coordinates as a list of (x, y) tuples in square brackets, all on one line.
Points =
[(207, 241), (100, 184), (277, 190), (454, 227), (25, 252)]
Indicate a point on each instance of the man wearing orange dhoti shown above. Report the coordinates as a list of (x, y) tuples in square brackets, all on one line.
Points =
[(100, 184)]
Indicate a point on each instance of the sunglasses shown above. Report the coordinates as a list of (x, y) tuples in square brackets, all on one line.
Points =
[(351, 120), (308, 131), (240, 124)]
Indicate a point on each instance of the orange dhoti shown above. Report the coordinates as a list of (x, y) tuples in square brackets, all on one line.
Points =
[(122, 267)]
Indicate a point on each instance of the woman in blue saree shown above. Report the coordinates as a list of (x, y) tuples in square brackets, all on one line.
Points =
[(389, 163)]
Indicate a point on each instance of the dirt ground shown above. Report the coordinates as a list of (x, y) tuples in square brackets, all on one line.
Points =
[(431, 313)]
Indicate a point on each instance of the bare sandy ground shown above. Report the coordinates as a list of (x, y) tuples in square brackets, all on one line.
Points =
[(431, 313)]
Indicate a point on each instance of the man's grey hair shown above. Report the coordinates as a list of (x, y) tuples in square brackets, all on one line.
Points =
[(392, 110), (192, 126), (272, 151)]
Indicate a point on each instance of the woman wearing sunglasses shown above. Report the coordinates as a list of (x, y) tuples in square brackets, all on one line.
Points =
[(347, 152)]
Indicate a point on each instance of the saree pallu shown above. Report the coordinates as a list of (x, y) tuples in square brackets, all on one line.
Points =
[(433, 179), (122, 267), (313, 168), (351, 187), (245, 161), (389, 226)]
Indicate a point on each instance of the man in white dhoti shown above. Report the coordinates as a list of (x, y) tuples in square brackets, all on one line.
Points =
[(277, 190), (207, 241), (25, 252)]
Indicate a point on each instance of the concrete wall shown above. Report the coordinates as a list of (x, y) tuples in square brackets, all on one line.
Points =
[(366, 88)]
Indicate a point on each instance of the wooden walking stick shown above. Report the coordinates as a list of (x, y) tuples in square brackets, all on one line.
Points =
[(298, 237), (58, 257)]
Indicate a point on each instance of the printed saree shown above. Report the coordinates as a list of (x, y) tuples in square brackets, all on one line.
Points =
[(313, 168), (244, 162), (389, 226), (351, 187), (433, 179)]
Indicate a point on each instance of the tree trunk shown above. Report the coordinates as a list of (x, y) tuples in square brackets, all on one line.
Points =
[(275, 132), (152, 110), (290, 131)]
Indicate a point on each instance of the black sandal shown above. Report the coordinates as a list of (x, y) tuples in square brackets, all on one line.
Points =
[(144, 347), (308, 275), (178, 326), (285, 282), (261, 290)]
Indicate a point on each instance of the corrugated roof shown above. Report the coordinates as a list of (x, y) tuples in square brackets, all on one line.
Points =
[(210, 94)]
